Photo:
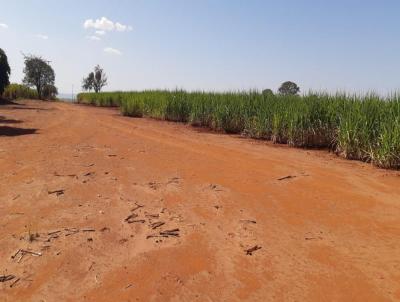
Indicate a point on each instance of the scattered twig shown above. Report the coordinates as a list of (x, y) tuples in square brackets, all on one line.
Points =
[(88, 230), (23, 253), (91, 265), (16, 197), (54, 232), (313, 238), (89, 174), (152, 215), (138, 221), (15, 282), (13, 256), (71, 232), (156, 236), (32, 253), (157, 224), (174, 232), (248, 221), (64, 175), (6, 278), (57, 192), (138, 206), (287, 177), (131, 217), (250, 251)]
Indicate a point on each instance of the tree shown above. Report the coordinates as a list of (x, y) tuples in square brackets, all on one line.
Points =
[(289, 88), (38, 73), (87, 83), (50, 92), (267, 92), (4, 71), (95, 80)]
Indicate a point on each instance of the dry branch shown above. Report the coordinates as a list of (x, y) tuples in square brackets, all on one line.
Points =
[(286, 177), (6, 278), (250, 251)]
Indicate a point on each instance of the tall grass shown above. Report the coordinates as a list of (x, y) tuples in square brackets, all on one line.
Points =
[(365, 128), (17, 91)]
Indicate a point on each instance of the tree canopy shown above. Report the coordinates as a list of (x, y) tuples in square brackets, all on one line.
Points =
[(5, 71), (95, 80), (267, 92), (39, 74), (289, 88)]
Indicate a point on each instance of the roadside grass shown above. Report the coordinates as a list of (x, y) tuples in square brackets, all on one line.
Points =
[(365, 128)]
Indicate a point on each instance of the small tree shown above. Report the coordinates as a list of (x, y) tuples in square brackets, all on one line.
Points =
[(267, 92), (95, 80), (289, 88), (38, 73), (87, 83), (50, 92), (4, 71)]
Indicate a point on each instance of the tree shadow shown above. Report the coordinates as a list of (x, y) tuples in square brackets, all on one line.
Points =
[(8, 102), (30, 108), (4, 120), (12, 131)]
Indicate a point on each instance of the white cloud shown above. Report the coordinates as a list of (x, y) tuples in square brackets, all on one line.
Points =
[(112, 51), (121, 27), (93, 38), (3, 25), (43, 37), (100, 32), (103, 24)]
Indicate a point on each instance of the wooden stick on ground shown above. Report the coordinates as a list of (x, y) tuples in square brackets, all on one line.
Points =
[(250, 251)]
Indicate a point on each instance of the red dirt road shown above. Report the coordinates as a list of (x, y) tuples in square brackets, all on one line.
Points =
[(331, 232)]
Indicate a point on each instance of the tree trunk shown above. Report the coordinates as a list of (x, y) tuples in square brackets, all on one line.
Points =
[(39, 92)]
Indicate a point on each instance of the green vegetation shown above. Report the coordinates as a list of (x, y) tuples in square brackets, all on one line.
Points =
[(95, 80), (17, 91), (289, 88), (365, 128), (39, 74), (4, 71)]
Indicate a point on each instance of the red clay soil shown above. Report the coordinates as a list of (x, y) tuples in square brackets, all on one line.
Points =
[(99, 207)]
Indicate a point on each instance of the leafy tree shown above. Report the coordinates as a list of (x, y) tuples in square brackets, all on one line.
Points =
[(289, 88), (95, 80), (4, 71), (267, 92), (87, 83), (38, 73), (50, 92)]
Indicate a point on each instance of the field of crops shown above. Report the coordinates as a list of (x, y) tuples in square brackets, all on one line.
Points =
[(18, 91), (365, 128)]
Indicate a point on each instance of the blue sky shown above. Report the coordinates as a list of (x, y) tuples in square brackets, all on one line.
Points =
[(210, 45)]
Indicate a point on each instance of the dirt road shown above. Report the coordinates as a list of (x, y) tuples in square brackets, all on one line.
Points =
[(99, 207)]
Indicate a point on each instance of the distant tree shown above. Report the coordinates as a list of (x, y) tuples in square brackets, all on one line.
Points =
[(95, 80), (289, 88), (38, 73), (50, 92), (267, 92), (87, 83), (4, 71)]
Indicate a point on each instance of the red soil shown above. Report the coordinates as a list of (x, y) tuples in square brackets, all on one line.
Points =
[(329, 233)]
